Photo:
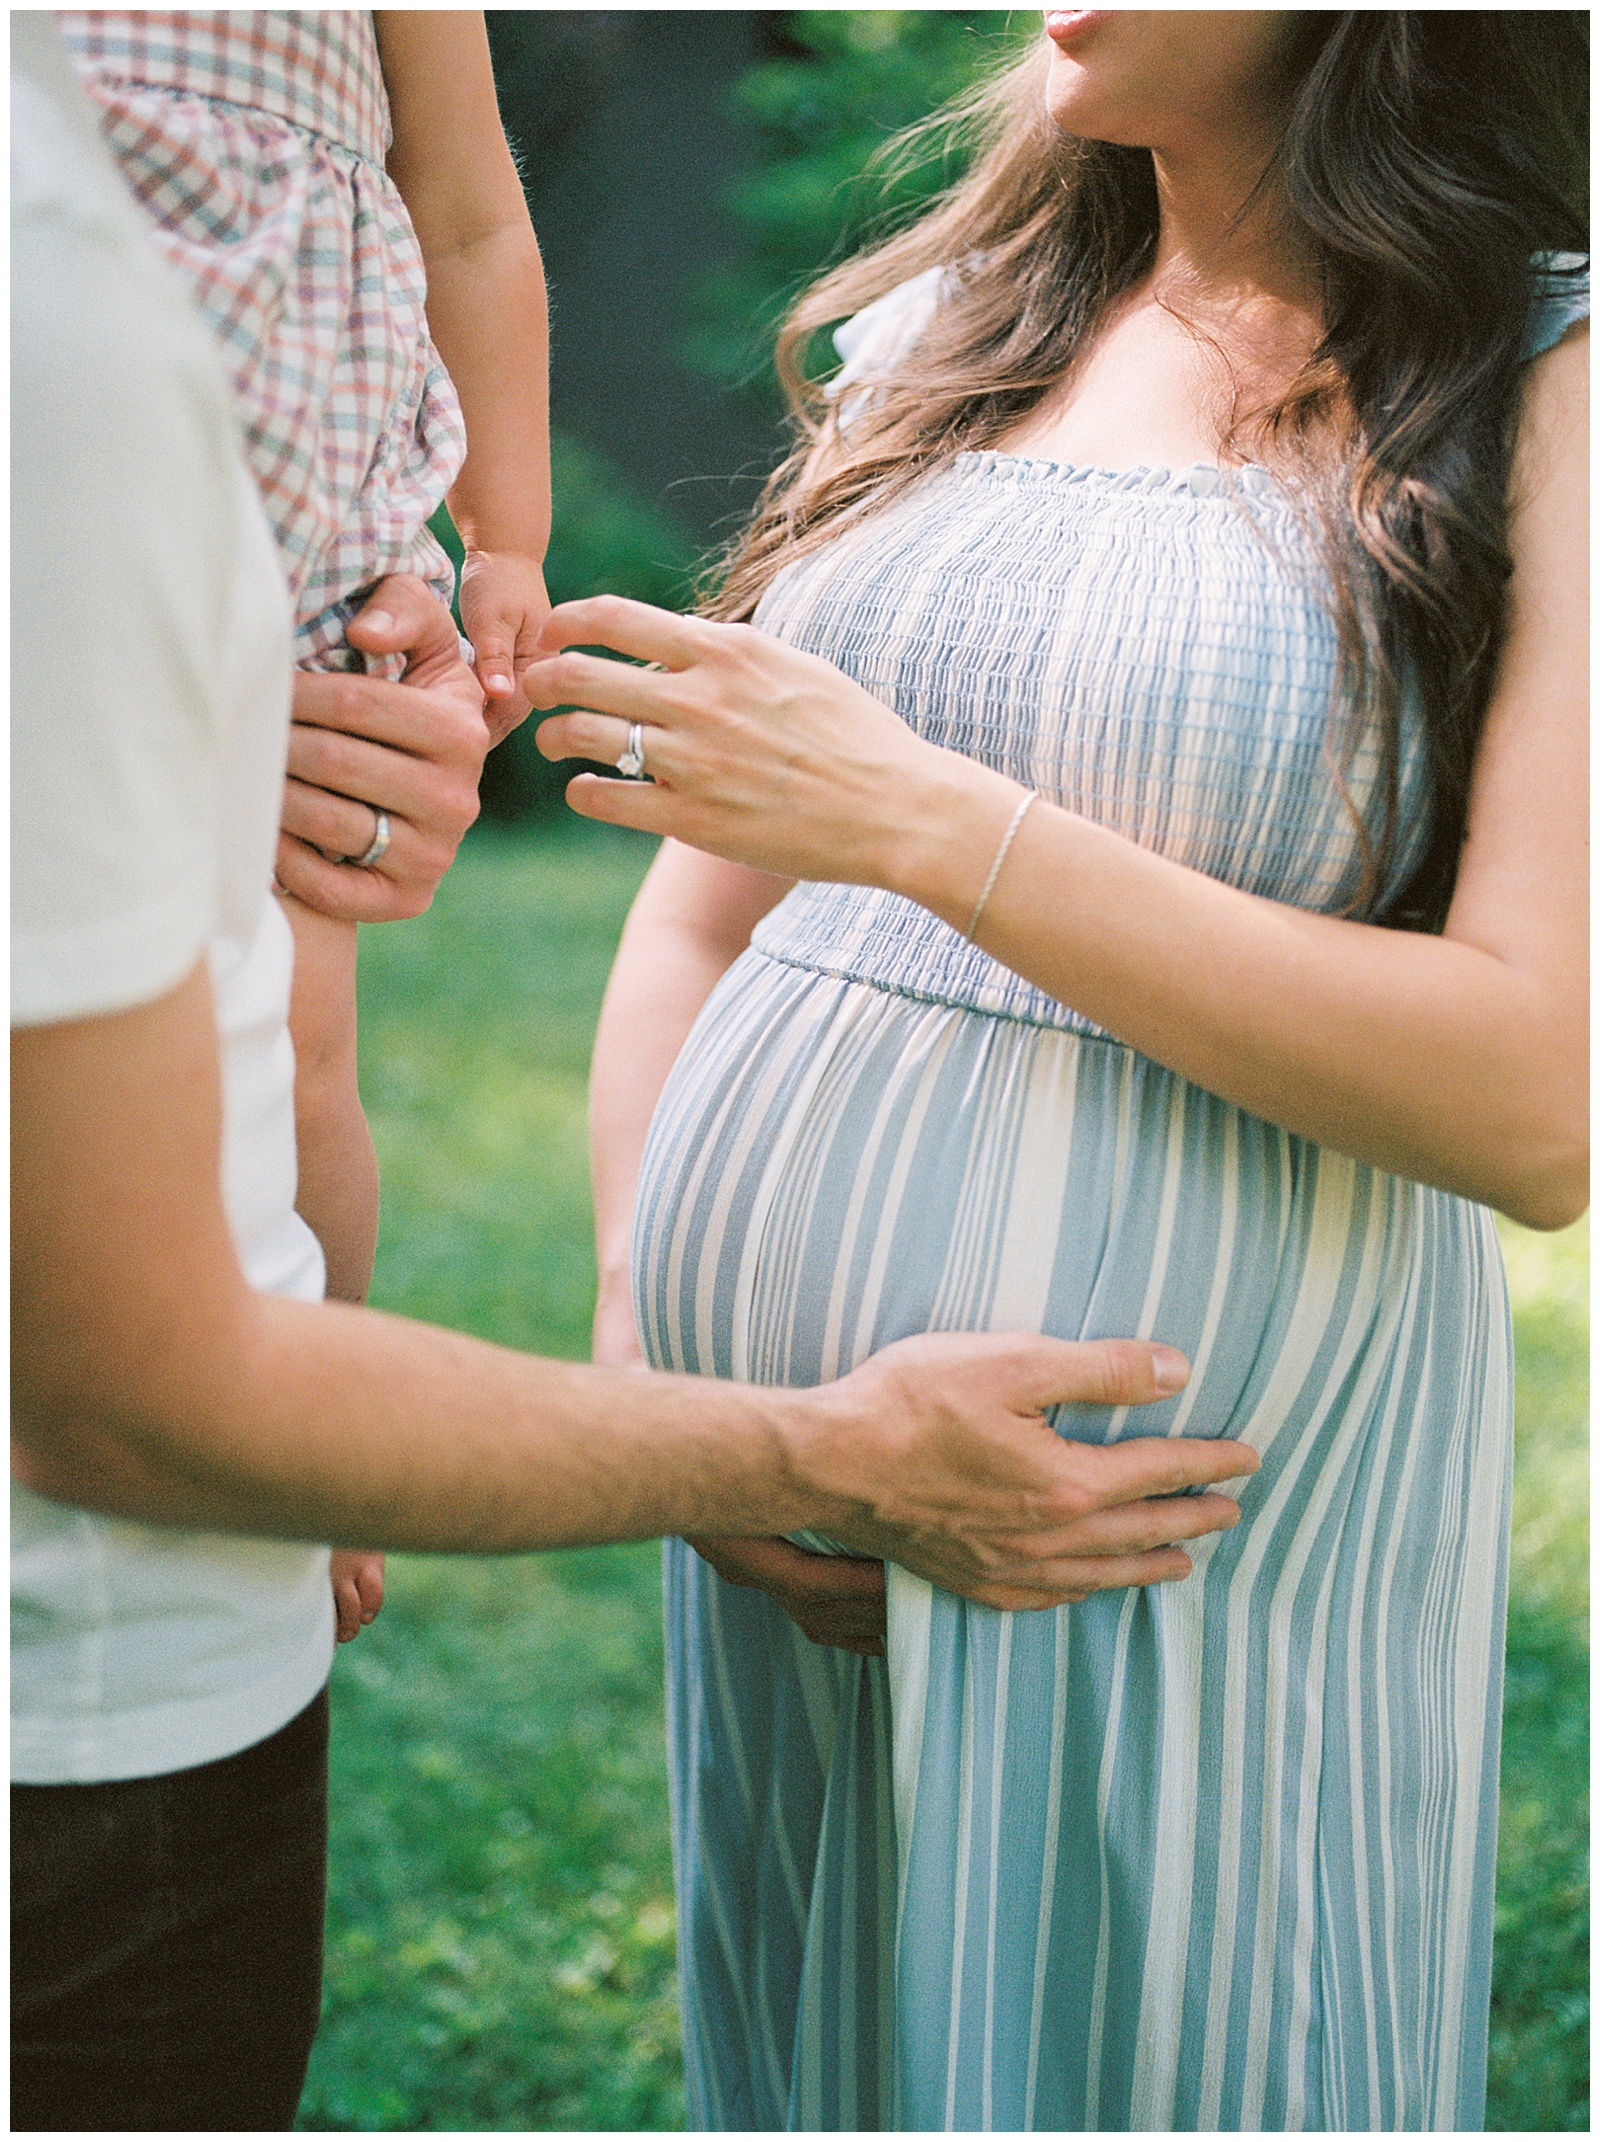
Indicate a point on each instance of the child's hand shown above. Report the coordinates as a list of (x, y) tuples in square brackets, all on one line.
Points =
[(357, 1589), (503, 603)]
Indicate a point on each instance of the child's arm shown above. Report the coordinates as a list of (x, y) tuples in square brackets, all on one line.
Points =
[(486, 310)]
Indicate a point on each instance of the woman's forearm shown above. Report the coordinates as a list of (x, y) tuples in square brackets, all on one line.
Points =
[(1428, 1056), (1456, 1060)]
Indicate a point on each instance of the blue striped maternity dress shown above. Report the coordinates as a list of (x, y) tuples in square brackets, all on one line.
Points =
[(1216, 1855)]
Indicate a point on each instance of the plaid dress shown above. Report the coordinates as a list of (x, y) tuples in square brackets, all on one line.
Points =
[(256, 140)]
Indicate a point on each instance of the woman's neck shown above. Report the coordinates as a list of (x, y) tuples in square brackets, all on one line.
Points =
[(1227, 315), (1226, 237)]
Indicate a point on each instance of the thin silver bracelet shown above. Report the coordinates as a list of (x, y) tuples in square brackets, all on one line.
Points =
[(1017, 817)]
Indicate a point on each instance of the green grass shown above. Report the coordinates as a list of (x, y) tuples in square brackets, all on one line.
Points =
[(1538, 2044), (500, 1926), (500, 1918)]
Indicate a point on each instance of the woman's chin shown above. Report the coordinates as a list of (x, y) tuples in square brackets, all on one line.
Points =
[(1079, 101), (1086, 117)]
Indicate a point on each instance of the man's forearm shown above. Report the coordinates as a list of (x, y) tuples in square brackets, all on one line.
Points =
[(150, 1379), (315, 1421), (339, 1423)]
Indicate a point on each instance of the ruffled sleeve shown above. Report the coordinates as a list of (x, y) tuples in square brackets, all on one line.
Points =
[(1561, 296), (870, 340)]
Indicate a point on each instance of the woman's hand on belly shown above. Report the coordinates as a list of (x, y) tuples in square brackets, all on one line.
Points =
[(833, 1599)]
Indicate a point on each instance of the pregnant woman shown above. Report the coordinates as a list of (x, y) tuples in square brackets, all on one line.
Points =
[(1169, 693)]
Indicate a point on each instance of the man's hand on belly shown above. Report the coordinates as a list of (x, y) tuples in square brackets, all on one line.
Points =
[(940, 1458)]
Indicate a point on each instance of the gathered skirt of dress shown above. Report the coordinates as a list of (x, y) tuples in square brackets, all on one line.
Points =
[(1212, 1855)]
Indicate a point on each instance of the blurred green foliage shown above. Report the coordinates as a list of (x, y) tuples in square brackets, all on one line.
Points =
[(603, 536), (846, 81), (500, 1914), (500, 1927), (854, 77)]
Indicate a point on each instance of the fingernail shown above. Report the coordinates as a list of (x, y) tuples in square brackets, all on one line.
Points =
[(1169, 1368), (499, 684), (377, 620)]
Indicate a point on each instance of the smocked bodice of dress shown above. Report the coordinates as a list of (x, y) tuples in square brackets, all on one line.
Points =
[(1152, 649), (316, 69)]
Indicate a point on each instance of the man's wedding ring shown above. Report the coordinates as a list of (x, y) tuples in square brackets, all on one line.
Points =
[(378, 847), (631, 763)]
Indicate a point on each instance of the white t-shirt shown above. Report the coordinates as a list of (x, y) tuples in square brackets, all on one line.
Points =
[(150, 698)]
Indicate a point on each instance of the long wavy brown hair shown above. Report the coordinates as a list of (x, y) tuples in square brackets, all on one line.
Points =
[(1428, 158)]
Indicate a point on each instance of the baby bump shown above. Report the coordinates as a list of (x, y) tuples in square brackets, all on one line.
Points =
[(1148, 1796), (833, 1166)]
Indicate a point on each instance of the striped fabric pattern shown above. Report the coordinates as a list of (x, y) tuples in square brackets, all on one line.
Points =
[(255, 139), (1213, 1856)]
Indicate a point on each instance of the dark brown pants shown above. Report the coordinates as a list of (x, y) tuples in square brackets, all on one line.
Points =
[(167, 1941)]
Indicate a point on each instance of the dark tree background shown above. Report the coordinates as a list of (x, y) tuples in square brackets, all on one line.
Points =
[(687, 172)]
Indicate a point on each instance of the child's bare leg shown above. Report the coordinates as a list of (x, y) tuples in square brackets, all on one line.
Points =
[(337, 1193), (357, 1589), (338, 1180)]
